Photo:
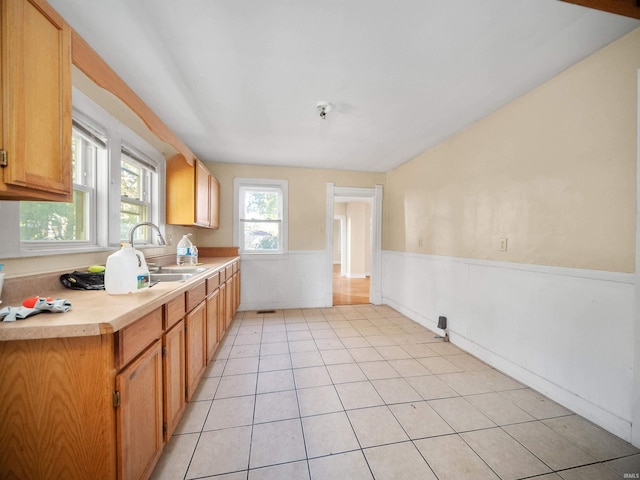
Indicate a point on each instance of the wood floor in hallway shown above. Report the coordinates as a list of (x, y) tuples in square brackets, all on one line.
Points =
[(349, 291)]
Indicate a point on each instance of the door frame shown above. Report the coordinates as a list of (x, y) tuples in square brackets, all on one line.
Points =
[(635, 393), (375, 193)]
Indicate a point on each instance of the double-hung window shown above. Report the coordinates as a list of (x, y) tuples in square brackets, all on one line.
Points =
[(261, 215), (118, 181), (136, 194), (69, 222)]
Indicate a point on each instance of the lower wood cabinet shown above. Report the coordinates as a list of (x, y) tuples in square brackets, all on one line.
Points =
[(196, 342), (230, 301), (237, 289), (56, 408), (173, 349), (139, 416), (222, 311), (213, 319), (103, 406)]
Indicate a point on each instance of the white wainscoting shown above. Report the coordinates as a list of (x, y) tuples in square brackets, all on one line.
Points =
[(565, 332), (294, 280)]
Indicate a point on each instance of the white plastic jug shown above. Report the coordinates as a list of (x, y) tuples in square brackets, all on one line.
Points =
[(126, 271)]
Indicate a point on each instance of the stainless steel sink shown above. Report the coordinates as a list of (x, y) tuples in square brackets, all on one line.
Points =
[(175, 274), (170, 277), (191, 270)]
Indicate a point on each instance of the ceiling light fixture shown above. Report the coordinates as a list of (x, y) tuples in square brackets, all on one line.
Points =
[(323, 109)]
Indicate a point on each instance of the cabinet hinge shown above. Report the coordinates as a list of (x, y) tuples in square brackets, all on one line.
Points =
[(164, 351), (4, 158), (116, 399), (164, 428)]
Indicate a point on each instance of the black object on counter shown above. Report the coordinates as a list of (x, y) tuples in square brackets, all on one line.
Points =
[(83, 280)]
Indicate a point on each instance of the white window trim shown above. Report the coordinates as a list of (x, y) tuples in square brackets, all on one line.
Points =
[(283, 185), (108, 201)]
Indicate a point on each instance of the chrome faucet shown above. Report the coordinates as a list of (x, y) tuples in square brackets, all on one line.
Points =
[(161, 240)]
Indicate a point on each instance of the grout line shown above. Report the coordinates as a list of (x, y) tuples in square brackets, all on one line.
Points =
[(253, 323)]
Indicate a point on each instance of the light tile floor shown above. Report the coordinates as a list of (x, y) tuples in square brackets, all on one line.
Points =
[(362, 392)]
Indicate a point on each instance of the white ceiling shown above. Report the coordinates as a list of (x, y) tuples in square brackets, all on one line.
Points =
[(238, 80)]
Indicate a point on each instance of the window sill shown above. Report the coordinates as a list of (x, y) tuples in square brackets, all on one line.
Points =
[(61, 250)]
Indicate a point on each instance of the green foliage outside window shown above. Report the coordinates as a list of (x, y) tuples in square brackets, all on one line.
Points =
[(57, 221), (262, 220), (261, 205)]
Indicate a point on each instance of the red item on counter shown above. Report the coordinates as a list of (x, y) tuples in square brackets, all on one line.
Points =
[(31, 301)]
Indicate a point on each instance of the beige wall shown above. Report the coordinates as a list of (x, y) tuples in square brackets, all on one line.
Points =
[(307, 200), (554, 172), (359, 238), (337, 233)]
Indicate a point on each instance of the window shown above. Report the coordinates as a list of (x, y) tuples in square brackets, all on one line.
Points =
[(136, 194), (261, 216), (118, 181), (72, 221)]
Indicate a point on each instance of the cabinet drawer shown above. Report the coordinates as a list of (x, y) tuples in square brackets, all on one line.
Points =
[(236, 266), (223, 276), (174, 310), (134, 338), (196, 295), (229, 271), (213, 283)]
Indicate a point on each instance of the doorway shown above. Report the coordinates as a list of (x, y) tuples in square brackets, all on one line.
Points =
[(351, 250), (358, 264)]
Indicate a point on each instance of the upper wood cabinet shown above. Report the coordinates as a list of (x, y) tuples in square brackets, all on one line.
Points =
[(35, 102), (214, 202), (193, 194)]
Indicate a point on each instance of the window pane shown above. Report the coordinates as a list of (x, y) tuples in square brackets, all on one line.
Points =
[(54, 220), (131, 180), (130, 215), (261, 236), (260, 225), (262, 205)]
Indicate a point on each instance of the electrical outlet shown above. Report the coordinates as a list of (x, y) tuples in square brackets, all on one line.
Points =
[(169, 239), (419, 242), (503, 245)]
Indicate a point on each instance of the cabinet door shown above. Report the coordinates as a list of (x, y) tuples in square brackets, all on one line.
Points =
[(36, 102), (212, 324), (230, 301), (193, 194), (196, 341), (237, 290), (174, 377), (222, 304), (214, 203), (139, 416), (202, 195), (57, 419)]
